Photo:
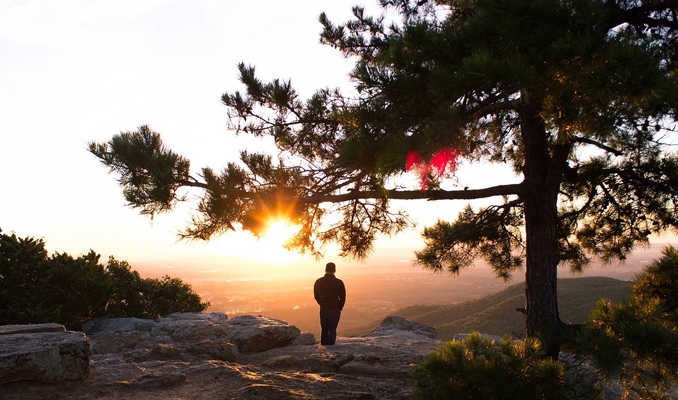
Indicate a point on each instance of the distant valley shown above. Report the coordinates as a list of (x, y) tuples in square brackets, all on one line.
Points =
[(369, 296), (496, 314), (387, 287), (477, 302)]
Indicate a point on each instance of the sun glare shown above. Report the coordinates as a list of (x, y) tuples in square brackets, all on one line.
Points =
[(270, 250), (266, 250), (278, 232)]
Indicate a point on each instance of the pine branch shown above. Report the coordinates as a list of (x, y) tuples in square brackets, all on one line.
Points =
[(489, 107), (642, 15), (192, 183), (602, 146), (470, 194)]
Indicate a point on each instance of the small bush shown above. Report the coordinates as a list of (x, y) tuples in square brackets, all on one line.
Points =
[(479, 368)]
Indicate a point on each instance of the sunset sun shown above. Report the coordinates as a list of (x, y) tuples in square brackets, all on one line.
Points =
[(277, 233)]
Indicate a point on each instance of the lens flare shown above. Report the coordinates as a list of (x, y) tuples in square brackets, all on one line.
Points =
[(443, 163)]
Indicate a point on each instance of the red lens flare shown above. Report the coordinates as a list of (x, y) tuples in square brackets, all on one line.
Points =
[(414, 161), (444, 162)]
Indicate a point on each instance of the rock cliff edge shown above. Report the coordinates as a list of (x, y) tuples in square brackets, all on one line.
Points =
[(208, 356)]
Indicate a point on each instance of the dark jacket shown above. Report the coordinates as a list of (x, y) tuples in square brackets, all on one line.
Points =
[(330, 292)]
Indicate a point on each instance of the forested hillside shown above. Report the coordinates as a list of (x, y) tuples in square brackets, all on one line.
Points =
[(496, 314)]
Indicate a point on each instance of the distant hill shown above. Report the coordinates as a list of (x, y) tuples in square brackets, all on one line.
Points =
[(496, 314)]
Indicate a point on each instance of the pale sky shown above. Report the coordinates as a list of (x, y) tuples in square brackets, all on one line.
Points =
[(73, 71)]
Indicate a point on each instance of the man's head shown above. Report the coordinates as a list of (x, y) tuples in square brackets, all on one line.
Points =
[(330, 268)]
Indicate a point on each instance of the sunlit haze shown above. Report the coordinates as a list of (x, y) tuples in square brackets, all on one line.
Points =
[(74, 71)]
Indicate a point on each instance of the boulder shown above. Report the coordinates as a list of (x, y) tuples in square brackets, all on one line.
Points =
[(214, 317), (48, 357), (255, 334), (204, 350), (196, 321), (306, 339), (187, 336), (102, 325), (390, 324), (196, 330), (107, 343), (194, 327), (123, 335)]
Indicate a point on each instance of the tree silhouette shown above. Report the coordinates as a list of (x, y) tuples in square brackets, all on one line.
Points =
[(578, 97)]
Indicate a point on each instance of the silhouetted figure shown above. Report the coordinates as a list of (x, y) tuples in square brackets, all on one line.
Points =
[(330, 294)]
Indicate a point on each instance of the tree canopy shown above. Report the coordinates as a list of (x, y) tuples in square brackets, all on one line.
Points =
[(577, 97)]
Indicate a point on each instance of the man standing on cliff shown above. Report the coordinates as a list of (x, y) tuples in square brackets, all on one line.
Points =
[(330, 294)]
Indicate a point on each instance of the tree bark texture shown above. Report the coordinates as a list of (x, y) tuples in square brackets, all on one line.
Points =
[(540, 195)]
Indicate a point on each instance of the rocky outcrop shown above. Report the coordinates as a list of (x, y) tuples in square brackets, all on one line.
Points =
[(398, 324), (392, 349), (44, 353), (189, 336), (188, 356), (256, 334)]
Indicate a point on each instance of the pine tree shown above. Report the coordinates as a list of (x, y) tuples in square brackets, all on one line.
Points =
[(578, 97)]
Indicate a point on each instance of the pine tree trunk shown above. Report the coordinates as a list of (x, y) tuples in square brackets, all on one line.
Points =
[(540, 200), (541, 275)]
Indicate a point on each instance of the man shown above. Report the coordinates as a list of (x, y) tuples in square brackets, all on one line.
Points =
[(330, 294)]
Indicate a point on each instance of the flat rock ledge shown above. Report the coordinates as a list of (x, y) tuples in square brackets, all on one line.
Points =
[(207, 356), (44, 353)]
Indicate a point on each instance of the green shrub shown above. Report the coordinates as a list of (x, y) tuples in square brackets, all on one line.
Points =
[(21, 265), (479, 368), (636, 341), (630, 345), (78, 288), (134, 296), (37, 288), (660, 281)]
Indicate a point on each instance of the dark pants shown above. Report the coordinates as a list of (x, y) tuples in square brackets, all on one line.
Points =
[(329, 319)]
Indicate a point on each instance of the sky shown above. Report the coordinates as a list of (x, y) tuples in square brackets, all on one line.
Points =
[(75, 71)]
